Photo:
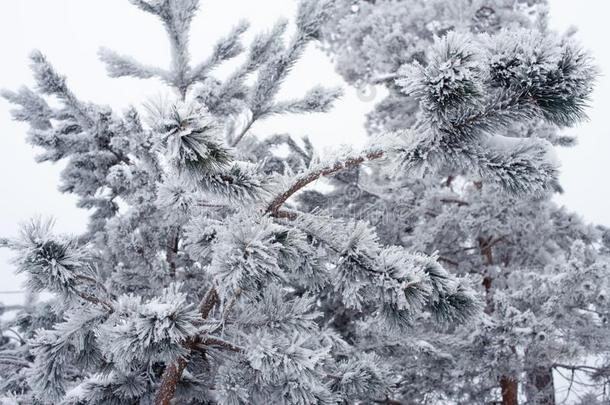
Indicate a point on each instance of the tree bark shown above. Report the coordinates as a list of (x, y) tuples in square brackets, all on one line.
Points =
[(540, 387), (510, 391), (508, 385), (173, 372), (170, 379), (172, 251)]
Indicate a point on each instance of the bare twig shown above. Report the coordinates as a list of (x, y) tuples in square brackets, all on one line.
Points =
[(243, 132), (214, 341), (274, 207), (91, 280), (94, 300), (384, 78), (447, 260), (208, 302), (458, 202)]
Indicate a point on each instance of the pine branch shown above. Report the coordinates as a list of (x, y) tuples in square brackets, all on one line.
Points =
[(226, 48), (243, 132), (214, 341), (173, 372), (458, 202), (92, 281), (172, 251), (145, 6), (274, 207), (588, 369), (120, 66), (208, 302), (385, 78), (94, 300)]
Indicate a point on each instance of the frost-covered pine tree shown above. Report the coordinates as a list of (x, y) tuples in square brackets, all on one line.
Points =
[(541, 270), (200, 280)]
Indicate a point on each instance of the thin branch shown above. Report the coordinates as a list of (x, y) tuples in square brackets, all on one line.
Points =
[(383, 78), (447, 260), (340, 252), (243, 132), (231, 305), (214, 341), (587, 369), (146, 6), (18, 363), (94, 300), (274, 207), (569, 391), (208, 302), (14, 332), (460, 203), (92, 281)]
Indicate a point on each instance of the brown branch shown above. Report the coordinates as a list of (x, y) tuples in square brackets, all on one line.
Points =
[(491, 243), (449, 181), (231, 305), (587, 369), (171, 376), (460, 203), (173, 372), (208, 302), (94, 300), (274, 207), (212, 341), (172, 251), (285, 214), (447, 260), (388, 401), (510, 390)]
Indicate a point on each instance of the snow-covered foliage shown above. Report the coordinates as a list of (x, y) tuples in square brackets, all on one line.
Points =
[(471, 74), (201, 281)]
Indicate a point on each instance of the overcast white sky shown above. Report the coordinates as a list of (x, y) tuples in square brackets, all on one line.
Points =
[(69, 32)]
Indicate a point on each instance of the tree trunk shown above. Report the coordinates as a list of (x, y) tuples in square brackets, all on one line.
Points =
[(540, 387), (510, 391), (509, 386)]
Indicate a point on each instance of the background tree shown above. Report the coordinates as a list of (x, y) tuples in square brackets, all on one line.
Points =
[(199, 280), (476, 228)]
